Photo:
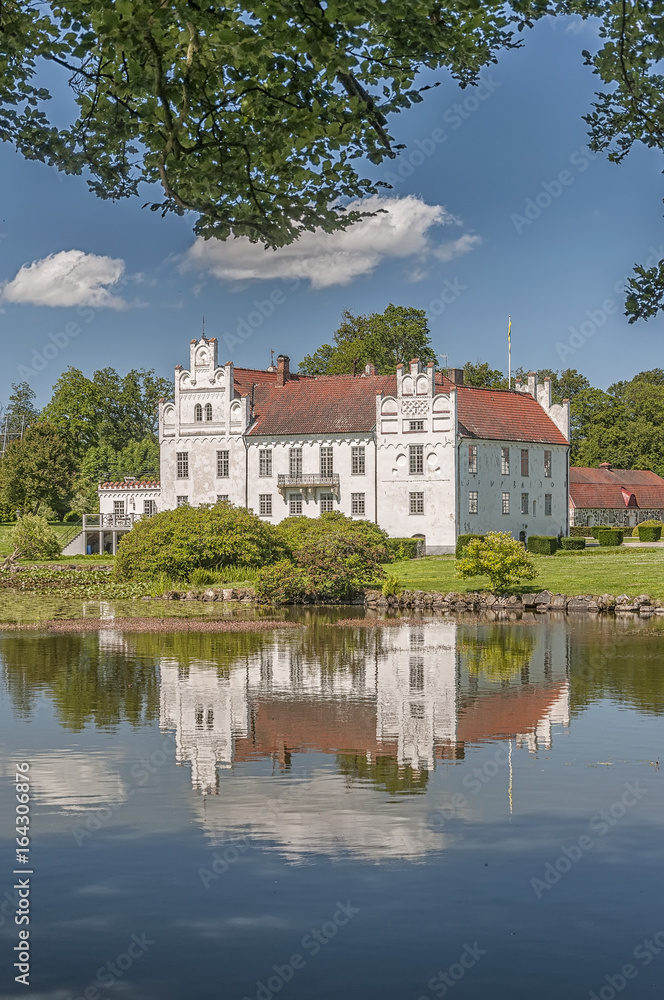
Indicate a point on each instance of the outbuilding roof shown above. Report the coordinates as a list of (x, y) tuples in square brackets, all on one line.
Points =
[(133, 484), (609, 487), (347, 404)]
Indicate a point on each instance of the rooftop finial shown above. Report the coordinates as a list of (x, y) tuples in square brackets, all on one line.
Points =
[(203, 327)]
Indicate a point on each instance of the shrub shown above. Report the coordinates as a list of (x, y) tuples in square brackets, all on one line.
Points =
[(176, 542), (650, 532), (543, 545), (573, 543), (35, 538), (651, 523), (403, 548), (282, 583), (392, 586), (610, 536), (580, 530), (338, 556), (498, 556), (463, 540)]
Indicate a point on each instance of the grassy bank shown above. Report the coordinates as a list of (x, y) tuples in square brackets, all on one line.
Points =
[(595, 571)]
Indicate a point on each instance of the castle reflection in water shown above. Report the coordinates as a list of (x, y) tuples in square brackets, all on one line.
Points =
[(416, 695)]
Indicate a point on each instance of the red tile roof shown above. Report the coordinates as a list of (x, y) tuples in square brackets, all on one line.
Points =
[(245, 378), (347, 404), (136, 484), (597, 488)]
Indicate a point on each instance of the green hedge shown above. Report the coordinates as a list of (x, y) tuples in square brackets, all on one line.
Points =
[(580, 531), (650, 533), (573, 543), (610, 536), (403, 548), (542, 545), (462, 541)]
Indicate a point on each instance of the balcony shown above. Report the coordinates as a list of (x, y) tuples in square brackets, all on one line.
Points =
[(97, 522), (308, 482)]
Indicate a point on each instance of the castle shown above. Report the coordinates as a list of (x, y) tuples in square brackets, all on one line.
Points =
[(417, 451)]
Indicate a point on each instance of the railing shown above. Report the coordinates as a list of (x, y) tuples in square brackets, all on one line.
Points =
[(309, 479), (100, 521)]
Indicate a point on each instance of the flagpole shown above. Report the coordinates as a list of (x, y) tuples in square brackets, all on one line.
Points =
[(509, 353)]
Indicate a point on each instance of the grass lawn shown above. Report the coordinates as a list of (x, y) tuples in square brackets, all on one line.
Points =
[(593, 571)]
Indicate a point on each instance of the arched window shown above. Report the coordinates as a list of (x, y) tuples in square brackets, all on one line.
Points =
[(208, 411), (198, 413)]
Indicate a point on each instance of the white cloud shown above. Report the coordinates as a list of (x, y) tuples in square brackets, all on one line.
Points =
[(67, 278), (402, 229)]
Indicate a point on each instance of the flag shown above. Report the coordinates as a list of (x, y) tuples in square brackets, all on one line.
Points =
[(509, 333)]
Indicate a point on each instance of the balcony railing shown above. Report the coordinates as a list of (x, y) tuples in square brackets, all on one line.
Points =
[(92, 522), (309, 481)]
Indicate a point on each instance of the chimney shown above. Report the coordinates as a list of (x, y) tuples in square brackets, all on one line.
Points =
[(532, 384), (283, 370), (369, 369), (455, 375), (606, 465)]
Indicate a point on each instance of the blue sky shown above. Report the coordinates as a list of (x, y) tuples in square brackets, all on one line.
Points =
[(497, 207)]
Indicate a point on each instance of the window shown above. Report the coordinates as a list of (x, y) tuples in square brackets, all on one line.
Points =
[(547, 504), (416, 673), (149, 507), (198, 413), (326, 461), (222, 497), (182, 501), (295, 504), (524, 503), (415, 425), (208, 411), (326, 502), (547, 464), (472, 502), (264, 461), (416, 710), (506, 503), (504, 461), (222, 464), (416, 503), (416, 459), (524, 462), (295, 457), (472, 458), (119, 507), (182, 464), (265, 505), (357, 503), (357, 465)]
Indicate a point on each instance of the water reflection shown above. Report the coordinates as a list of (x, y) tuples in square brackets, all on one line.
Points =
[(416, 698)]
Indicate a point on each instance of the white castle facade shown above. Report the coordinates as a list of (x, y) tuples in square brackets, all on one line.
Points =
[(417, 452)]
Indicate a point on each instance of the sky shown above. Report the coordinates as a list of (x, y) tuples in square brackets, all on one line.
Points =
[(497, 208)]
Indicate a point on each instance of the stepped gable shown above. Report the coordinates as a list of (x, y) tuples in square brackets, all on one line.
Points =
[(609, 487), (347, 403)]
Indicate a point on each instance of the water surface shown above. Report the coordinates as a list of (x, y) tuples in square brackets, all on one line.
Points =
[(377, 812)]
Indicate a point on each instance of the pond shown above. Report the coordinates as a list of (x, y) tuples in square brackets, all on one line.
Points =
[(384, 811)]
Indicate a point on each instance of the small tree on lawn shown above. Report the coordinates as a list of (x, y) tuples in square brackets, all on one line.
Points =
[(34, 538), (498, 556)]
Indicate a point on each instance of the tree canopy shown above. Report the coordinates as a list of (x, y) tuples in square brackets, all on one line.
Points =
[(263, 119), (36, 471), (385, 340)]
